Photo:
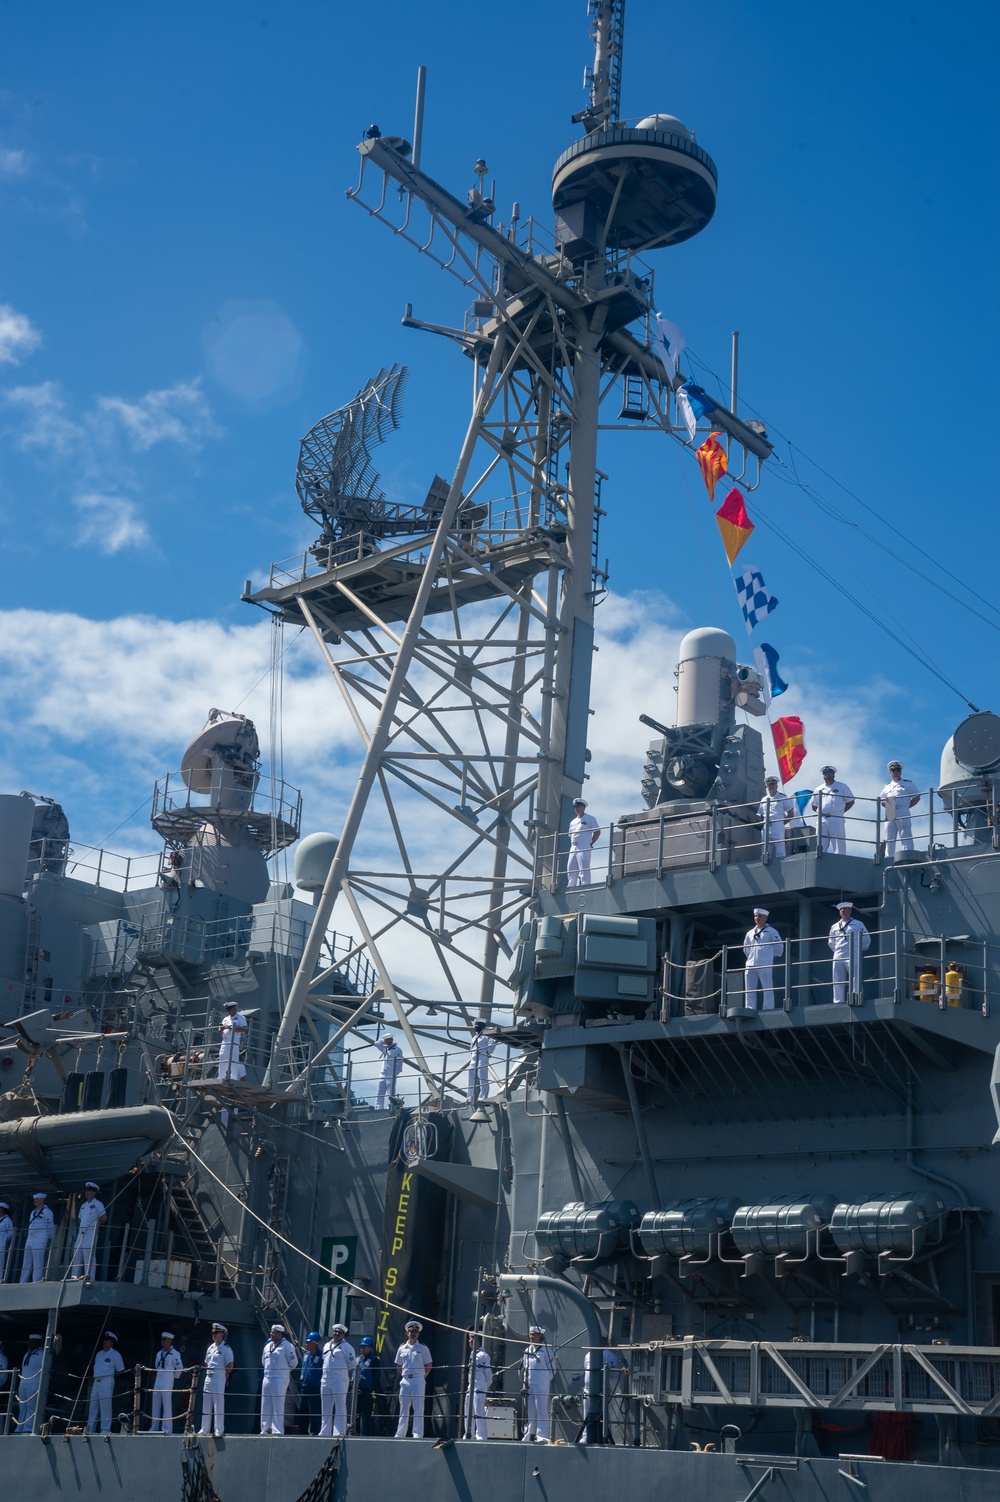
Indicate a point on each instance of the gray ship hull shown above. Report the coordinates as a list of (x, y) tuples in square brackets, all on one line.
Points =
[(243, 1469)]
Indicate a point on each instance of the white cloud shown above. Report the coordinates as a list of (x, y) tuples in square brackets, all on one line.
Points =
[(45, 423), (14, 163), (176, 414), (110, 523), (18, 337)]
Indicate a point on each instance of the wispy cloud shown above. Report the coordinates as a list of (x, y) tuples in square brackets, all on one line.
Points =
[(14, 163), (44, 422), (18, 337), (110, 523), (177, 414)]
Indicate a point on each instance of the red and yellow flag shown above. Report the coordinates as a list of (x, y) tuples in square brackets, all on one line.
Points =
[(734, 523), (789, 745), (713, 463)]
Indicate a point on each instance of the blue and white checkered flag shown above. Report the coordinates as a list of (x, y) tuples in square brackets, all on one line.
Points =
[(755, 600)]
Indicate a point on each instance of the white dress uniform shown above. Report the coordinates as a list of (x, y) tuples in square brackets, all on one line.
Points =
[(392, 1058), (772, 811), (27, 1389), (480, 1377), (213, 1403), (230, 1067), (107, 1366), (279, 1361), (581, 841), (41, 1225), (166, 1365), (762, 946), (539, 1369), (86, 1239), (830, 800), (6, 1235), (895, 799), (848, 942), (480, 1051), (339, 1361), (412, 1387)]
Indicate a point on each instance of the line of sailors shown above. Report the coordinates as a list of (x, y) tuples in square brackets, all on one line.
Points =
[(782, 821), (763, 946), (40, 1229), (481, 1047)]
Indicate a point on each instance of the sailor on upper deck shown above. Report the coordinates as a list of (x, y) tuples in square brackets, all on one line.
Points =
[(762, 946), (832, 800), (897, 798)]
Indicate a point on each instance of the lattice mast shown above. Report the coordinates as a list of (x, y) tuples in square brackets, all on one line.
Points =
[(463, 650)]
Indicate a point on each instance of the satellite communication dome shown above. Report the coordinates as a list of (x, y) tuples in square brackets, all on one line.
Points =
[(669, 123), (313, 860)]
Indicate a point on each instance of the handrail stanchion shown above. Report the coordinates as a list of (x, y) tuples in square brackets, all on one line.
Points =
[(819, 826), (611, 853), (713, 837), (766, 847), (878, 830), (930, 828), (724, 988), (137, 1399)]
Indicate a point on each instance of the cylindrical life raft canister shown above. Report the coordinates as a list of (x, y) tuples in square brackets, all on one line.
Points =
[(953, 981), (927, 985)]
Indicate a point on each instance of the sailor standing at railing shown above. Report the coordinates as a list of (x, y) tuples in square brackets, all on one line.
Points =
[(772, 811), (339, 1361), (218, 1365), (279, 1361), (848, 941), (583, 834), (480, 1050), (539, 1369), (27, 1384), (413, 1364), (92, 1216), (832, 800), (233, 1028), (762, 946), (392, 1058), (166, 1364), (897, 798), (6, 1232), (480, 1378), (41, 1224), (108, 1364)]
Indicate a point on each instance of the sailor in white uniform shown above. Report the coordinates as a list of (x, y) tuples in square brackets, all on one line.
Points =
[(897, 798), (27, 1384), (166, 1365), (218, 1365), (92, 1215), (413, 1363), (279, 1360), (832, 800), (539, 1369), (583, 833), (480, 1051), (848, 941), (773, 810), (480, 1378), (339, 1361), (108, 1364), (41, 1225), (762, 946), (392, 1058), (233, 1028), (6, 1235)]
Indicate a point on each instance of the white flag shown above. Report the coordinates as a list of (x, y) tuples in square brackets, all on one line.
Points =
[(668, 343), (765, 675), (685, 412)]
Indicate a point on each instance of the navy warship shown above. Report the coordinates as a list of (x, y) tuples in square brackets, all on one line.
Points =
[(776, 1222)]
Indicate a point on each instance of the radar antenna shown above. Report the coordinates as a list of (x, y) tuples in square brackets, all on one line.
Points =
[(604, 79)]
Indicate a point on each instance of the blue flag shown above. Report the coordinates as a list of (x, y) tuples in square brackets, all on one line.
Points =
[(766, 659), (700, 400)]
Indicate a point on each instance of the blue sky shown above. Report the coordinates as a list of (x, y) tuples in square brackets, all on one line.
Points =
[(188, 290)]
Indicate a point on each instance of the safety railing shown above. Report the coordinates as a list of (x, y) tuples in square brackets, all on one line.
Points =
[(95, 866), (846, 966), (270, 808), (674, 837)]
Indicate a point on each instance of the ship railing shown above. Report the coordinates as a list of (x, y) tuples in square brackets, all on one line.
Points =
[(932, 1378), (95, 866), (674, 837), (442, 1075), (260, 800), (949, 972)]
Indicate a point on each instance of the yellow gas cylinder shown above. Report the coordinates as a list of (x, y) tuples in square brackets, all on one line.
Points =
[(927, 985), (953, 985)]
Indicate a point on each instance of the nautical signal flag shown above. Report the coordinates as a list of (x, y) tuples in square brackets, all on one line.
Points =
[(734, 523), (789, 745), (712, 462), (756, 600), (669, 343), (766, 659)]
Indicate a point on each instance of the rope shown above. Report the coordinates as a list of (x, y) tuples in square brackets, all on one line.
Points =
[(196, 1484), (320, 1488)]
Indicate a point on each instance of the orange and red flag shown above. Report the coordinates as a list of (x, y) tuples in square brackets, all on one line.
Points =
[(734, 523), (713, 463), (789, 745)]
